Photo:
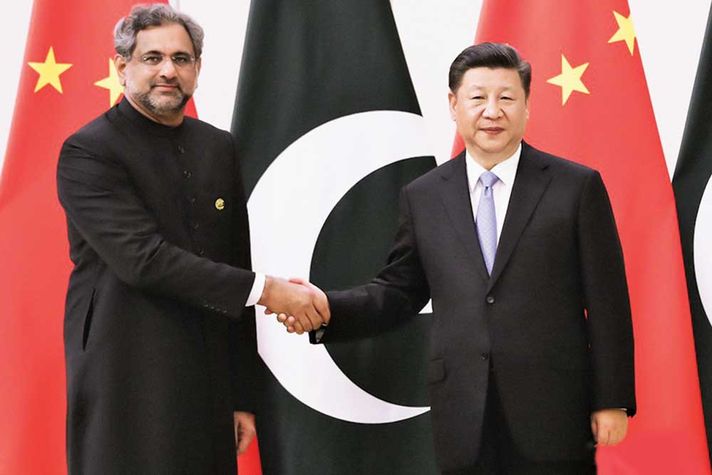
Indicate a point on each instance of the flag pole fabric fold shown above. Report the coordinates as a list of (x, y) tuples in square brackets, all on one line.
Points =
[(692, 193)]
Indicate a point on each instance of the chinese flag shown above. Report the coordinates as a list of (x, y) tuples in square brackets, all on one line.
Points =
[(590, 104), (67, 79)]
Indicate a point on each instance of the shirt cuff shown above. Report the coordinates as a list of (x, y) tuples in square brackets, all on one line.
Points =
[(319, 334), (258, 286)]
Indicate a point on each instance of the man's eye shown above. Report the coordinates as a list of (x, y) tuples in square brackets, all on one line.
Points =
[(181, 60), (152, 59)]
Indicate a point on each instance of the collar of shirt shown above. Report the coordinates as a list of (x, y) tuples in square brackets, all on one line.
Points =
[(505, 170)]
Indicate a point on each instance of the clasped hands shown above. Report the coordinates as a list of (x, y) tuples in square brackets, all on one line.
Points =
[(300, 305)]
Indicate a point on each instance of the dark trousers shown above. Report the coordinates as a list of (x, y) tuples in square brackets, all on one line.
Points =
[(500, 456)]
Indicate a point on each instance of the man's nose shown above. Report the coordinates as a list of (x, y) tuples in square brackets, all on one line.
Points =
[(492, 109), (168, 69)]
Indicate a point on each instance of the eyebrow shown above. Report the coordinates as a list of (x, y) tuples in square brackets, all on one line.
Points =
[(506, 88), (155, 51)]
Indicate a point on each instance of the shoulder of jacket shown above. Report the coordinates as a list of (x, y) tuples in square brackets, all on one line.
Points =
[(434, 176), (559, 164)]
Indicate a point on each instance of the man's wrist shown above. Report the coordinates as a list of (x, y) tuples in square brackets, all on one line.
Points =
[(266, 291)]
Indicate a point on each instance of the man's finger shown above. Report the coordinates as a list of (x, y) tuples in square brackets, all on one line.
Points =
[(298, 328)]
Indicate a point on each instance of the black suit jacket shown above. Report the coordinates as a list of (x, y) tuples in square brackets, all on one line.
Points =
[(159, 346), (553, 321)]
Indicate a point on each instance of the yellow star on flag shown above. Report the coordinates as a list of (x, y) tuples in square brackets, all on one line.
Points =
[(49, 71), (625, 32), (111, 82), (569, 80)]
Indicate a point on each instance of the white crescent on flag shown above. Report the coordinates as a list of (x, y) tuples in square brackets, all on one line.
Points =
[(702, 250), (288, 208)]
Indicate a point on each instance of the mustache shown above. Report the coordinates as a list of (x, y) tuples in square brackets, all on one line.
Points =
[(167, 83)]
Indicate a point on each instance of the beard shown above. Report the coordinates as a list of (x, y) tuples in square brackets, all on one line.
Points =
[(163, 104)]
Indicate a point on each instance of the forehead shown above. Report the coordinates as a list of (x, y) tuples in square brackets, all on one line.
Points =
[(491, 78), (169, 38)]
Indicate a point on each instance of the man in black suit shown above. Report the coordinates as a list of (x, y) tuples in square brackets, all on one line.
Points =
[(159, 323), (531, 347)]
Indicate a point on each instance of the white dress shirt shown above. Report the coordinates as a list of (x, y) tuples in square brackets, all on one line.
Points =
[(506, 171)]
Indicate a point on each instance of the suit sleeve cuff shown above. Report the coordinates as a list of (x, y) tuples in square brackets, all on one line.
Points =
[(257, 287)]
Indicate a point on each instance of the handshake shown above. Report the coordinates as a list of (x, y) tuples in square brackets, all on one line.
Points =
[(300, 305)]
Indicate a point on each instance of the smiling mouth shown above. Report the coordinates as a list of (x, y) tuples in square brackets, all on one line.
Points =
[(492, 130)]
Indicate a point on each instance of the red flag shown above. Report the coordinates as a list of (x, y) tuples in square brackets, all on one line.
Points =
[(67, 79), (590, 104)]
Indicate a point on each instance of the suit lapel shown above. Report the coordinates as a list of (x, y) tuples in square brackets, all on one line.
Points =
[(456, 198), (529, 184)]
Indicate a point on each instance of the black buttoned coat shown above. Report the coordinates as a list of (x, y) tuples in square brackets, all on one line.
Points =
[(552, 323), (160, 349)]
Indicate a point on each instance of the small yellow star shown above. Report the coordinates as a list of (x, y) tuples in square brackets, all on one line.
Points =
[(111, 82), (569, 80), (49, 72), (625, 32)]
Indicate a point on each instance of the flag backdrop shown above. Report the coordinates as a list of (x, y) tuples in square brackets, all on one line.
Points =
[(590, 104), (691, 184), (328, 124), (67, 79)]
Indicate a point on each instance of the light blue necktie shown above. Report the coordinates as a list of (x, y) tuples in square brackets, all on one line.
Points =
[(487, 221)]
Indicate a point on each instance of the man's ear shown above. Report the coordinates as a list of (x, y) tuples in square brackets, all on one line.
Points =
[(198, 64), (452, 101), (120, 63)]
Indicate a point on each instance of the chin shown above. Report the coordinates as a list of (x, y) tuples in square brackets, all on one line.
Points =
[(492, 148), (172, 104)]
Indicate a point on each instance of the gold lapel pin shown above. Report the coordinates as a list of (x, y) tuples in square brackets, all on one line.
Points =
[(220, 204)]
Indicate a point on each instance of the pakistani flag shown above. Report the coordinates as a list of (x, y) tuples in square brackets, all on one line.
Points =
[(330, 129), (693, 194)]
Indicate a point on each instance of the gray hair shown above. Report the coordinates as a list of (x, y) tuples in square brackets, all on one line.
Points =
[(142, 17)]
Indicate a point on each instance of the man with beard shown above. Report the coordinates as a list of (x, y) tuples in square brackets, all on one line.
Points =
[(159, 324)]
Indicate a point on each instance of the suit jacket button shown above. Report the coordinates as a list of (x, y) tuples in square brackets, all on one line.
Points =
[(484, 356), (489, 299)]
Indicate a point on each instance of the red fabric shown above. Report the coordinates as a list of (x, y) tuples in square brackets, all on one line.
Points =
[(249, 462), (34, 261), (613, 129)]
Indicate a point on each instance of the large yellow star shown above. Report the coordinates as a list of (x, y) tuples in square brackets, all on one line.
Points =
[(111, 82), (625, 32), (49, 71), (569, 80)]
